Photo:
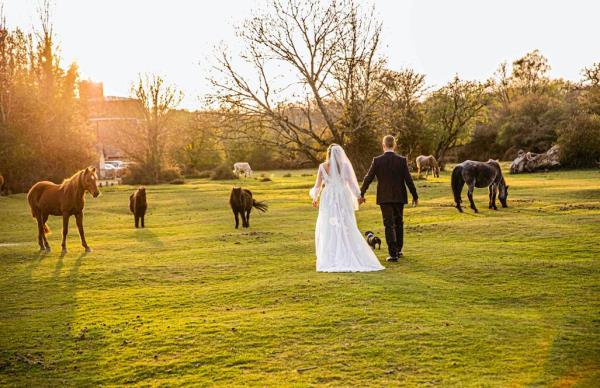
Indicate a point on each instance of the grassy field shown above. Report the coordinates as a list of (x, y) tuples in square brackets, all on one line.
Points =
[(506, 298)]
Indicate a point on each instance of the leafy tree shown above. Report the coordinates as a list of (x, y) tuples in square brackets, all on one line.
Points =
[(530, 73), (43, 134), (401, 109), (453, 111)]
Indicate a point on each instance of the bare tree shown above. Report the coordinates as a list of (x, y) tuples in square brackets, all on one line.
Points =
[(331, 53), (591, 75), (401, 107), (452, 112), (147, 141)]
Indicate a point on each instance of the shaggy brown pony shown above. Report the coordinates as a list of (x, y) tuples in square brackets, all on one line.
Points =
[(138, 205), (428, 163), (67, 199), (241, 202)]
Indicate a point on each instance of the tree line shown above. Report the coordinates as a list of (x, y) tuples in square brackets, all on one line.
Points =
[(310, 74)]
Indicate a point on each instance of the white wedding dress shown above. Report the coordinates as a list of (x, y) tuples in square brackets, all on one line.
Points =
[(339, 244)]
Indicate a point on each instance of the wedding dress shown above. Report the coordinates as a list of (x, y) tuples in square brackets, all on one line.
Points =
[(340, 246)]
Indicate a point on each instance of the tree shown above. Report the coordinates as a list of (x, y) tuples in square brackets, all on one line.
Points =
[(453, 111), (43, 134), (148, 141), (530, 73), (591, 75), (401, 109), (330, 55)]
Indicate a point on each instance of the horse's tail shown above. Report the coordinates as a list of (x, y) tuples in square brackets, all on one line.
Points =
[(32, 197), (457, 184), (260, 205)]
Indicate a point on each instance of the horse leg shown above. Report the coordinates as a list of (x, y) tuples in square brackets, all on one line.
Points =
[(65, 231), (427, 172), (493, 189), (244, 220), (136, 220), (237, 220), (470, 189), (79, 219), (248, 218), (418, 171), (45, 239), (142, 219), (41, 232)]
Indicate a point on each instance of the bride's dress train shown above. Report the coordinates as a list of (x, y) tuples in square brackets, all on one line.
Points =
[(339, 244)]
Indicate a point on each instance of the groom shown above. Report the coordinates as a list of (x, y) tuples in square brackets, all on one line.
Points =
[(393, 176)]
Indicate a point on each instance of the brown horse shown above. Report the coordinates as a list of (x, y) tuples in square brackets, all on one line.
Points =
[(241, 202), (138, 206), (429, 164), (67, 199)]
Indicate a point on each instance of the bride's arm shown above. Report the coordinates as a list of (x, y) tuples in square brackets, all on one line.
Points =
[(316, 190)]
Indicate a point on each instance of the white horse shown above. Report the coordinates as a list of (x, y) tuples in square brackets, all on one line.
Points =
[(242, 168), (429, 164)]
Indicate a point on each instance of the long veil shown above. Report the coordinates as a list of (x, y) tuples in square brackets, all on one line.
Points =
[(340, 168)]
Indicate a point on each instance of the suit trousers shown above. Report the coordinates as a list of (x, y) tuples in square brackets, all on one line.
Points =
[(394, 227)]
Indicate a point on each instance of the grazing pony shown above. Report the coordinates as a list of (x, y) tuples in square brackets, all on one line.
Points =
[(67, 199), (479, 174), (241, 202), (429, 164), (138, 205), (242, 167)]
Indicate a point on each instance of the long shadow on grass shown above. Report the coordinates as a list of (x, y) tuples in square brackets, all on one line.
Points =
[(146, 235), (41, 343)]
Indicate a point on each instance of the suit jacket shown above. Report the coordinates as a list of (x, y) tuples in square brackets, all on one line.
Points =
[(393, 177)]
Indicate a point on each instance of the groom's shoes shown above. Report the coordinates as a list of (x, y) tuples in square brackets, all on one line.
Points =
[(394, 259)]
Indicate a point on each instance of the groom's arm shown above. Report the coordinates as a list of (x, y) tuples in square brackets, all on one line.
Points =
[(368, 179), (409, 182)]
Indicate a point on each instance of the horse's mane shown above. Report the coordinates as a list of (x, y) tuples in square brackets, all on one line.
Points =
[(71, 185)]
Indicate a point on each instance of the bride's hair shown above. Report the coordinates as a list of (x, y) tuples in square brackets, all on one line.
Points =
[(329, 151), (329, 154)]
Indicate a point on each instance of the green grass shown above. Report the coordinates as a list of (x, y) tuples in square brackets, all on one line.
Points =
[(506, 298)]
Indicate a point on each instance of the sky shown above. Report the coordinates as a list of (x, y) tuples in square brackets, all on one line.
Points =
[(114, 40)]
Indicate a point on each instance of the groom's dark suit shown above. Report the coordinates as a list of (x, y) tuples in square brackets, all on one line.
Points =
[(393, 177)]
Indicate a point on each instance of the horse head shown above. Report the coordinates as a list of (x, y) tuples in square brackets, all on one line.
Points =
[(90, 181)]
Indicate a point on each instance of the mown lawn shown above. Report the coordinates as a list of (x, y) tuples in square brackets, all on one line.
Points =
[(506, 298)]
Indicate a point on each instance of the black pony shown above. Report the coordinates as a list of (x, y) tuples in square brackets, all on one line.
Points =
[(241, 202), (479, 174)]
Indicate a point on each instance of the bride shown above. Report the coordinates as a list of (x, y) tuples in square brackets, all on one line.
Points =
[(340, 245)]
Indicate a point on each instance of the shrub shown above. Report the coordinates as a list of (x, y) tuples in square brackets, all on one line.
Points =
[(222, 172), (170, 174), (287, 175), (580, 141), (203, 174), (137, 174), (178, 181)]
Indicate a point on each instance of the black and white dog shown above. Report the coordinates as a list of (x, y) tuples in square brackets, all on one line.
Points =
[(373, 240)]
